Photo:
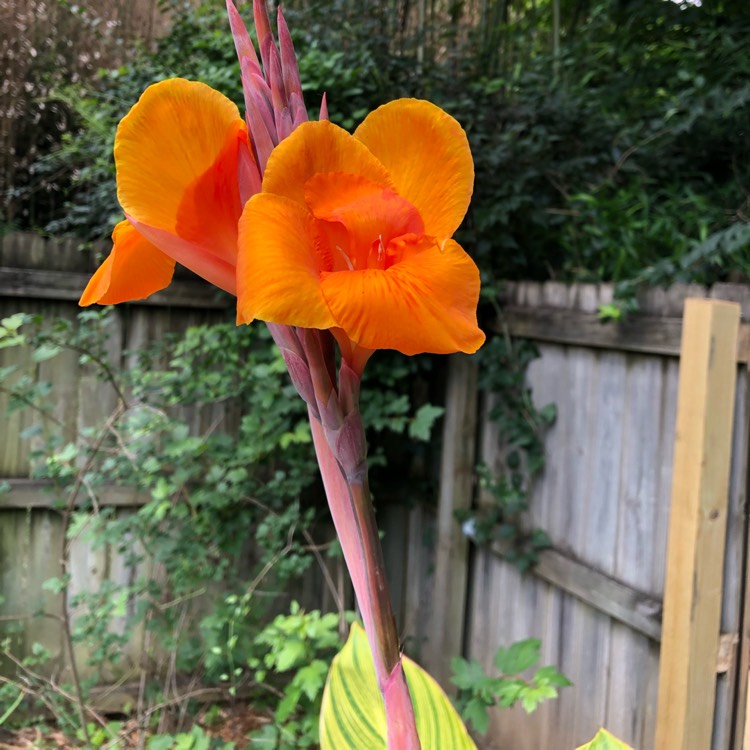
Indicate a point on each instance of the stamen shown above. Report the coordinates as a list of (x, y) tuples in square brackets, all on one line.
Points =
[(345, 257)]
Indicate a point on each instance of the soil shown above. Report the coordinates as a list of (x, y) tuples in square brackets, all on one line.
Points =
[(228, 723)]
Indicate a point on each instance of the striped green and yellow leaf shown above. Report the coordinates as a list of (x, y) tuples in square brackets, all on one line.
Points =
[(353, 717), (605, 741)]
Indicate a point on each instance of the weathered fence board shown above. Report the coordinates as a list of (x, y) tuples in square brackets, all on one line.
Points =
[(697, 530), (595, 598), (46, 277), (446, 632)]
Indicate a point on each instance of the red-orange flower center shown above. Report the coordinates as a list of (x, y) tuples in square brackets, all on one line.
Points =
[(358, 220)]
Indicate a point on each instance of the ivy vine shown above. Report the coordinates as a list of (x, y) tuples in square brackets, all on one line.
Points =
[(502, 513)]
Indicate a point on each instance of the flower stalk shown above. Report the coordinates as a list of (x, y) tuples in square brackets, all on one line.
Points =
[(274, 108), (329, 237), (341, 450)]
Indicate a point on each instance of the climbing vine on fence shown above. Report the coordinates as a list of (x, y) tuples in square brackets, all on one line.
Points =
[(502, 512)]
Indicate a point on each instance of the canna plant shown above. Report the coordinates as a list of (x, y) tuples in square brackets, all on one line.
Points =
[(331, 239)]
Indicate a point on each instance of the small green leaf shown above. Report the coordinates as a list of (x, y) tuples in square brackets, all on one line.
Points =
[(531, 697), (421, 426), (509, 691), (56, 585), (550, 675), (548, 413), (160, 742), (31, 431), (45, 352), (466, 673), (9, 335), (289, 655), (476, 712), (311, 679), (519, 657), (609, 312)]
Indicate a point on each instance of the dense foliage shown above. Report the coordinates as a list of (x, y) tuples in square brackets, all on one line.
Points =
[(617, 145), (44, 48), (206, 429), (623, 148)]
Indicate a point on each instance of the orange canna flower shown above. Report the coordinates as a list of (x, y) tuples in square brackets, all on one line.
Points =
[(182, 156), (187, 163), (352, 234)]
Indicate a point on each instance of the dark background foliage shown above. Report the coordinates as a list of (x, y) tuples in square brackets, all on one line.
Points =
[(609, 136)]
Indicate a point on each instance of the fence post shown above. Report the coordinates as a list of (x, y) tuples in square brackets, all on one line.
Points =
[(697, 525), (446, 631)]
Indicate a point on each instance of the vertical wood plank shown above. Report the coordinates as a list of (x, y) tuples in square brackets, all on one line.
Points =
[(456, 487), (742, 717), (731, 685), (697, 525), (418, 577)]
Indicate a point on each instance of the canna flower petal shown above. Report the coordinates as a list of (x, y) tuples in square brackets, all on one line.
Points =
[(177, 154), (425, 303), (278, 278), (318, 147), (133, 270), (340, 240), (427, 156)]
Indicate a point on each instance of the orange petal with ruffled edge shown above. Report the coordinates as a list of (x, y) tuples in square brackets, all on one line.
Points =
[(424, 303), (280, 261), (177, 154), (314, 148), (427, 156), (134, 269)]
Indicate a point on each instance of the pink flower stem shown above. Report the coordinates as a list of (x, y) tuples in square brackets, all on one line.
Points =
[(341, 449), (354, 519), (274, 107)]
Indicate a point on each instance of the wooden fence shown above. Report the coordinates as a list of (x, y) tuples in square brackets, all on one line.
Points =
[(610, 586), (643, 654), (46, 277)]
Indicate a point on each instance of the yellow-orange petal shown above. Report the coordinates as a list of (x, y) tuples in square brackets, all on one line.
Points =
[(425, 303), (427, 156), (176, 154), (279, 265), (133, 270), (316, 147)]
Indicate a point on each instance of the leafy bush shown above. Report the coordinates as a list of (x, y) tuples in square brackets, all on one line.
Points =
[(209, 429), (301, 646), (618, 152), (478, 691), (594, 160)]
